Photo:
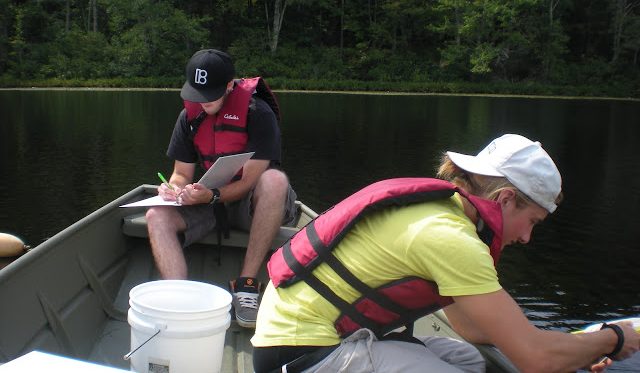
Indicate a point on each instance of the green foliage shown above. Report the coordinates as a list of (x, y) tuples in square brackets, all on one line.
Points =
[(152, 38), (253, 58), (78, 55), (482, 57), (502, 46)]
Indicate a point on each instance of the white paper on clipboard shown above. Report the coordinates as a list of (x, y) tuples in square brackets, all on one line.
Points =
[(224, 169)]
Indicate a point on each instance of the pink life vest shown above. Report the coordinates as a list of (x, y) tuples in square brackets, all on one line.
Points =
[(391, 305), (225, 132)]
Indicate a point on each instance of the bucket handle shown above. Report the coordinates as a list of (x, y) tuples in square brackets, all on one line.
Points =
[(159, 328)]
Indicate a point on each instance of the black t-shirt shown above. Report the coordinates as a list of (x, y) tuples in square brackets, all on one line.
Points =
[(263, 136)]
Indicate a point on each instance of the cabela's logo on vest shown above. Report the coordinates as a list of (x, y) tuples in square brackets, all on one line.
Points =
[(231, 116)]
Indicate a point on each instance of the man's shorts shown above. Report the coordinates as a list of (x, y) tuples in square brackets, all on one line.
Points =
[(200, 219)]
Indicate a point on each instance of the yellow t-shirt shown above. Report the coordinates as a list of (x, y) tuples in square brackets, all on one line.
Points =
[(435, 241)]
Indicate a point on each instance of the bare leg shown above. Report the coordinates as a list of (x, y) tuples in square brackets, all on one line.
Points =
[(163, 224), (268, 200)]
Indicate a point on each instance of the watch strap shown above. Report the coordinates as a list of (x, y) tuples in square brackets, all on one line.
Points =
[(620, 334), (215, 197)]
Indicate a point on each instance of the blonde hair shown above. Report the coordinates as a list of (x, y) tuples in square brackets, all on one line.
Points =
[(488, 187)]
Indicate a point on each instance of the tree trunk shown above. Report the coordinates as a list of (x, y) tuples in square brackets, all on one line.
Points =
[(266, 11), (67, 21), (341, 28), (95, 15), (622, 10), (552, 7), (87, 21), (394, 42), (458, 24), (547, 61), (618, 22), (278, 16), (372, 6)]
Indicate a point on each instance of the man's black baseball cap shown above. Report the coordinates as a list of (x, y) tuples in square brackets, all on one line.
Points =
[(208, 72)]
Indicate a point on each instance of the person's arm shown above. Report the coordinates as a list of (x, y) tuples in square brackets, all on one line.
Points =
[(251, 171), (463, 326), (183, 152), (182, 175), (496, 318)]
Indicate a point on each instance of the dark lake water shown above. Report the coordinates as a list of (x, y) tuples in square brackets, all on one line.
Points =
[(64, 154)]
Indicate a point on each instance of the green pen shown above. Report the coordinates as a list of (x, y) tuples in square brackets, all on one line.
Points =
[(165, 181)]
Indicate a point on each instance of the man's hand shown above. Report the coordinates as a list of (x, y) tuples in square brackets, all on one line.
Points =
[(194, 194), (601, 365), (169, 194), (631, 341)]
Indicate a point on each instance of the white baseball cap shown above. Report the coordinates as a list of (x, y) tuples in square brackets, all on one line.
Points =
[(523, 162)]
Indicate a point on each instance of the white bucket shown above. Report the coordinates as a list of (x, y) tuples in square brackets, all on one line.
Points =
[(192, 318)]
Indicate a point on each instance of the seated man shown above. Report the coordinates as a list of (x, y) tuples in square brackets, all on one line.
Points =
[(223, 116)]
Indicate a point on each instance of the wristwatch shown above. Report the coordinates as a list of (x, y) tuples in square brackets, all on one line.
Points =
[(215, 197)]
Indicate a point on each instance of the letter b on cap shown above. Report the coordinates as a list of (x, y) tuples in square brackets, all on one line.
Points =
[(201, 76)]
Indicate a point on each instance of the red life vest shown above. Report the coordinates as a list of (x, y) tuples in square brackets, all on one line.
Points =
[(225, 132), (391, 305)]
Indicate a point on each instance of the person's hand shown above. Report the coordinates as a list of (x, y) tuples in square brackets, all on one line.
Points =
[(631, 341), (601, 365), (169, 193), (194, 194)]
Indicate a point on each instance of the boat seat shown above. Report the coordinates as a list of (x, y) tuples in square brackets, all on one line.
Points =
[(136, 226)]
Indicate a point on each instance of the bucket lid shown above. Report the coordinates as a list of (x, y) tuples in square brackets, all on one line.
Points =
[(179, 297)]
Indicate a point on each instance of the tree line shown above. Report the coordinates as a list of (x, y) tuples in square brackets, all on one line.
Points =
[(329, 43)]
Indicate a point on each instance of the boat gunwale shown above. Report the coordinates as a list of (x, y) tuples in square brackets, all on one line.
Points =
[(51, 243)]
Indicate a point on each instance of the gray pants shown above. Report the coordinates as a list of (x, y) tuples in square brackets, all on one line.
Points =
[(200, 219), (363, 352)]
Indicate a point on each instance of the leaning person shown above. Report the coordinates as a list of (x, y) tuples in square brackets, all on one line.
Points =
[(400, 249), (223, 116)]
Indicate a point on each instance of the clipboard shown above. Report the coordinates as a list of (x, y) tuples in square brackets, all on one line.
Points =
[(224, 169)]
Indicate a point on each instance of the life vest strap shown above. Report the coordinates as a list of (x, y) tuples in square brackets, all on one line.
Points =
[(229, 127), (195, 124), (348, 276), (326, 292), (292, 262), (222, 226), (345, 307)]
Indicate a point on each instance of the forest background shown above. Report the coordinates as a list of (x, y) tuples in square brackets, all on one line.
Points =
[(540, 47)]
